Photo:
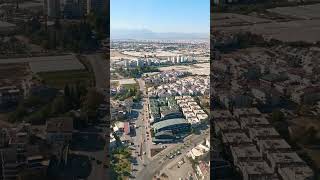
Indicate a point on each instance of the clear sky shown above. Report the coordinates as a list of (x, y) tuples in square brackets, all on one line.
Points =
[(184, 16)]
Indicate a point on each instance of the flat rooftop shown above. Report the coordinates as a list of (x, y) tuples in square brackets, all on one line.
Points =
[(256, 168), (221, 114), (253, 121), (228, 125), (244, 151), (274, 144), (240, 112), (235, 137), (299, 173), (290, 157), (263, 132)]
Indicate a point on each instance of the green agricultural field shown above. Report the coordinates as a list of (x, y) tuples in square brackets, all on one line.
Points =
[(59, 79)]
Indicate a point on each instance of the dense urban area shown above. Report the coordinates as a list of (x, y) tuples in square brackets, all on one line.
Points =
[(53, 74), (159, 110), (265, 90), (242, 105)]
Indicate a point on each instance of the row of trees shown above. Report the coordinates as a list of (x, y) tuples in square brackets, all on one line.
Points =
[(138, 71), (12, 46), (77, 37), (130, 92), (121, 163), (76, 96)]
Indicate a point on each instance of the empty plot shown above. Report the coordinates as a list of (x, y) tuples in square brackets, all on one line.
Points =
[(125, 81), (303, 12), (230, 19), (197, 69)]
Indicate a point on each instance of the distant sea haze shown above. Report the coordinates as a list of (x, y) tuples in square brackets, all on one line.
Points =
[(143, 34)]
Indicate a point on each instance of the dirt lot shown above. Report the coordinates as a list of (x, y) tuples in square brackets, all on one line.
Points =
[(289, 31), (302, 12), (203, 70), (183, 171)]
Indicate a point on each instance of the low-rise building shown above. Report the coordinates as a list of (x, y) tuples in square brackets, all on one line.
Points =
[(9, 163), (221, 114), (226, 126), (245, 153), (296, 173), (246, 112), (280, 160), (255, 170), (261, 133), (273, 145), (235, 138), (59, 130), (247, 122)]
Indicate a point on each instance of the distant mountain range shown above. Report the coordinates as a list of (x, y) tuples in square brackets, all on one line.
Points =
[(144, 34)]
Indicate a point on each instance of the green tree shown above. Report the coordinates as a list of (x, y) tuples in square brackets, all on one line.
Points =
[(277, 116), (91, 103), (58, 106)]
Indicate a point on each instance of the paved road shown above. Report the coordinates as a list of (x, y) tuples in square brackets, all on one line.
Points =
[(97, 171), (100, 69), (158, 163)]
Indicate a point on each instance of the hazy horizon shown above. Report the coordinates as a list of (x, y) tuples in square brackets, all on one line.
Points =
[(146, 34)]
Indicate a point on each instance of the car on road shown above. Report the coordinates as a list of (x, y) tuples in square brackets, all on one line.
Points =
[(144, 153)]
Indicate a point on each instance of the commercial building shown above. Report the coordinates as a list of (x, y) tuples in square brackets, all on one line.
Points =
[(164, 137), (177, 126)]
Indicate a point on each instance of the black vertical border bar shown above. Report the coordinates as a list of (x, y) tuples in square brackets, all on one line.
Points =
[(212, 169), (107, 91)]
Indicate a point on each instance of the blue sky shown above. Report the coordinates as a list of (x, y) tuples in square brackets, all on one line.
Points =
[(183, 16)]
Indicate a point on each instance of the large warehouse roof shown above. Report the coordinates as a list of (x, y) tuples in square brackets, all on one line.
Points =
[(169, 122)]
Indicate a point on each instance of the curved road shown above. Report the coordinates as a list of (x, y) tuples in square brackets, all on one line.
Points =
[(101, 69)]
